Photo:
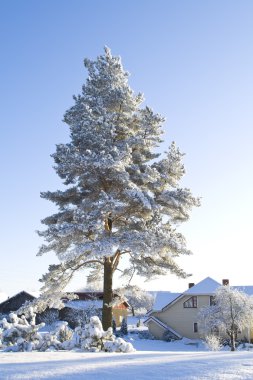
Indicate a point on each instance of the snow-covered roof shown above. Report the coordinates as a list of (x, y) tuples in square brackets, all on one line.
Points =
[(164, 298), (16, 295), (246, 289), (206, 286), (84, 305)]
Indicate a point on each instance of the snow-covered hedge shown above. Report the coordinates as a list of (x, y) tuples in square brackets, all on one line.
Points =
[(22, 334), (213, 342)]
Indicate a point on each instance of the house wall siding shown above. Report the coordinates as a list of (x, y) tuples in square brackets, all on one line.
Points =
[(118, 314), (182, 319), (156, 330)]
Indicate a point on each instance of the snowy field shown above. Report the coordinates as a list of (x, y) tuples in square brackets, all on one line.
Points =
[(152, 360)]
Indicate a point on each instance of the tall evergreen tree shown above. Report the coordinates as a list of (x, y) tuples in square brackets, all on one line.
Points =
[(119, 198)]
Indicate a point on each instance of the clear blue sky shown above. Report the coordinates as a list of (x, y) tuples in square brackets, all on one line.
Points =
[(193, 60)]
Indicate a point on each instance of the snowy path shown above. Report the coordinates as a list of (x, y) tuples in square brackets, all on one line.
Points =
[(140, 365)]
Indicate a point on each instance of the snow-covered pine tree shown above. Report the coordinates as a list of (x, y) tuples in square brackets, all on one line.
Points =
[(119, 199), (123, 327)]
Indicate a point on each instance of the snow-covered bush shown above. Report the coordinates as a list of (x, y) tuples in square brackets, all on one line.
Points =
[(1, 332), (118, 345), (2, 316), (76, 315), (245, 346), (20, 334), (55, 340), (168, 336), (105, 340), (145, 334), (213, 342), (93, 338), (49, 316), (64, 332)]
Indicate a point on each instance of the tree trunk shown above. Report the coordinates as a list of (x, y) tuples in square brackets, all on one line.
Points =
[(108, 294), (232, 339)]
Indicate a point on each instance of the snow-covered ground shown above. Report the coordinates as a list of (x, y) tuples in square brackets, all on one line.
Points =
[(152, 360)]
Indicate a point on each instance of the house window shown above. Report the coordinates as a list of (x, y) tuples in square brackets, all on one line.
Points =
[(195, 327), (212, 300), (191, 302)]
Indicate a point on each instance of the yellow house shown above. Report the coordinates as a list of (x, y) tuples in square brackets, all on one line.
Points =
[(176, 314)]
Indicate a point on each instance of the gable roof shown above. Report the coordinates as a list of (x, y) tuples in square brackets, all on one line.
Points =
[(23, 292), (15, 302), (206, 286), (164, 298)]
